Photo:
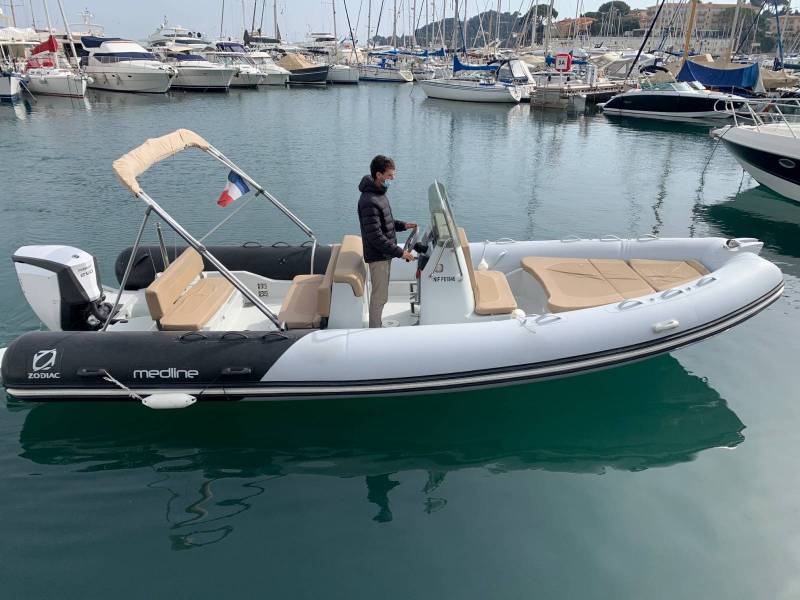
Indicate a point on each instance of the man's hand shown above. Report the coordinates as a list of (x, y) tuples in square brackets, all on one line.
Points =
[(407, 256), (411, 226)]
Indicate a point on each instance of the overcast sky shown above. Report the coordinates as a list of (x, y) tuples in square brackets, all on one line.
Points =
[(139, 18)]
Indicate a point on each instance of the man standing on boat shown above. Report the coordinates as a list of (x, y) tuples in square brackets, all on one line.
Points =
[(378, 228)]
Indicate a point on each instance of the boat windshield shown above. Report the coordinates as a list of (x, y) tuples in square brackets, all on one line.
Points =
[(676, 86), (442, 222)]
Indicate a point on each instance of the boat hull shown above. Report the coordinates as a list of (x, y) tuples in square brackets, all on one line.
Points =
[(10, 87), (444, 90), (202, 79), (317, 75), (320, 363), (343, 74), (274, 78), (675, 106), (55, 83), (772, 160), (385, 74), (146, 81)]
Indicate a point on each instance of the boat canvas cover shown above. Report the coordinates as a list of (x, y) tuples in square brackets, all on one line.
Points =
[(459, 66), (90, 41), (294, 62), (731, 75)]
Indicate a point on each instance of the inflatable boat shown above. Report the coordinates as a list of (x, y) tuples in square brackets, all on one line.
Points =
[(205, 323)]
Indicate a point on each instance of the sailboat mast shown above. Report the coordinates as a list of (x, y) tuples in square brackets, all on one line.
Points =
[(222, 19), (369, 22), (548, 27), (394, 26), (732, 45), (689, 29), (69, 33), (335, 35), (275, 17), (47, 16), (253, 22)]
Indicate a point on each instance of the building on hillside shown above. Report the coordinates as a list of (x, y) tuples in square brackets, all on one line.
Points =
[(790, 25), (712, 20), (642, 15), (572, 27)]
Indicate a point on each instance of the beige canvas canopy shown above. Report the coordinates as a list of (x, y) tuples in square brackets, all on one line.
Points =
[(294, 62), (129, 166)]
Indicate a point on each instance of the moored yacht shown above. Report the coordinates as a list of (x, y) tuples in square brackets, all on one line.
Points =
[(233, 54), (767, 145), (302, 70), (122, 65), (48, 74), (671, 100), (195, 72), (474, 83), (177, 38), (385, 69), (272, 73)]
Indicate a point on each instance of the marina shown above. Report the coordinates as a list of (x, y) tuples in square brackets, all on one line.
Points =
[(506, 433)]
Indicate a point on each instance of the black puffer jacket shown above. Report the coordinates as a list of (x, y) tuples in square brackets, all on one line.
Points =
[(378, 226)]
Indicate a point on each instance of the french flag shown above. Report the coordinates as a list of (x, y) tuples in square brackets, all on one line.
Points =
[(235, 188)]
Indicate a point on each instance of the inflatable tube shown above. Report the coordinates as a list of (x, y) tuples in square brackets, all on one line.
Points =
[(279, 261)]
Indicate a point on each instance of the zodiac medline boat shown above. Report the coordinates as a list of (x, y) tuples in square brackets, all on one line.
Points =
[(291, 322)]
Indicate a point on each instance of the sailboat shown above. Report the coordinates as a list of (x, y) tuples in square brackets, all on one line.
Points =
[(47, 75)]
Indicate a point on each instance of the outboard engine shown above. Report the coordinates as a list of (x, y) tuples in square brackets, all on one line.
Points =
[(62, 285)]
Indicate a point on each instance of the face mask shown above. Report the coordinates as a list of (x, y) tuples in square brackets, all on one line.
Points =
[(387, 183)]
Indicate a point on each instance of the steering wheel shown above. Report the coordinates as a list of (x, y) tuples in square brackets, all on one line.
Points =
[(412, 239)]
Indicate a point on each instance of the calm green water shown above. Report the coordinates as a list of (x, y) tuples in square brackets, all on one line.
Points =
[(671, 478)]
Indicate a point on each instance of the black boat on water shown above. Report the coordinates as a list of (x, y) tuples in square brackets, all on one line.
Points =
[(304, 71)]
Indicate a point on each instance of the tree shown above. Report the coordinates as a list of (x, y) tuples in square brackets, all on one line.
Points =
[(615, 5)]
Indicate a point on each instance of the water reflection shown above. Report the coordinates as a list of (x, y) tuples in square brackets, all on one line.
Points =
[(698, 127), (759, 213), (652, 414)]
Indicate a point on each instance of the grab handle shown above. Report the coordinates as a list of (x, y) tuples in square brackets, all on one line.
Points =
[(706, 280), (611, 238), (671, 293), (665, 325), (236, 371), (571, 238), (625, 304), (647, 237)]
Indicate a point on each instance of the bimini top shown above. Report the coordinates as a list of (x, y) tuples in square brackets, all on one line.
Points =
[(129, 166)]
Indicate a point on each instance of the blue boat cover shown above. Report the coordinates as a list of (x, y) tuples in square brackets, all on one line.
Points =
[(747, 77), (459, 66), (90, 41)]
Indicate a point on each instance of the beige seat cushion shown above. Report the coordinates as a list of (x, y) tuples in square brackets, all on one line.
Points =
[(326, 287), (350, 266), (622, 277), (666, 274), (163, 293), (299, 308), (570, 283), (198, 305), (492, 294)]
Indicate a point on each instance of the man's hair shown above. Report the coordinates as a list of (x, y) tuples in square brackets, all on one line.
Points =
[(379, 164)]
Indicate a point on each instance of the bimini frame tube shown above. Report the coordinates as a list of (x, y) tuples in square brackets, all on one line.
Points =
[(138, 160), (223, 270)]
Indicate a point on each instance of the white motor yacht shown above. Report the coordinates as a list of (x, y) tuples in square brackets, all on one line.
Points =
[(195, 72), (233, 54), (273, 74), (767, 145), (177, 38), (10, 84), (122, 65)]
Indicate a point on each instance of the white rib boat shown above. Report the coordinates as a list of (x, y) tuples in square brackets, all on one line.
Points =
[(234, 322)]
